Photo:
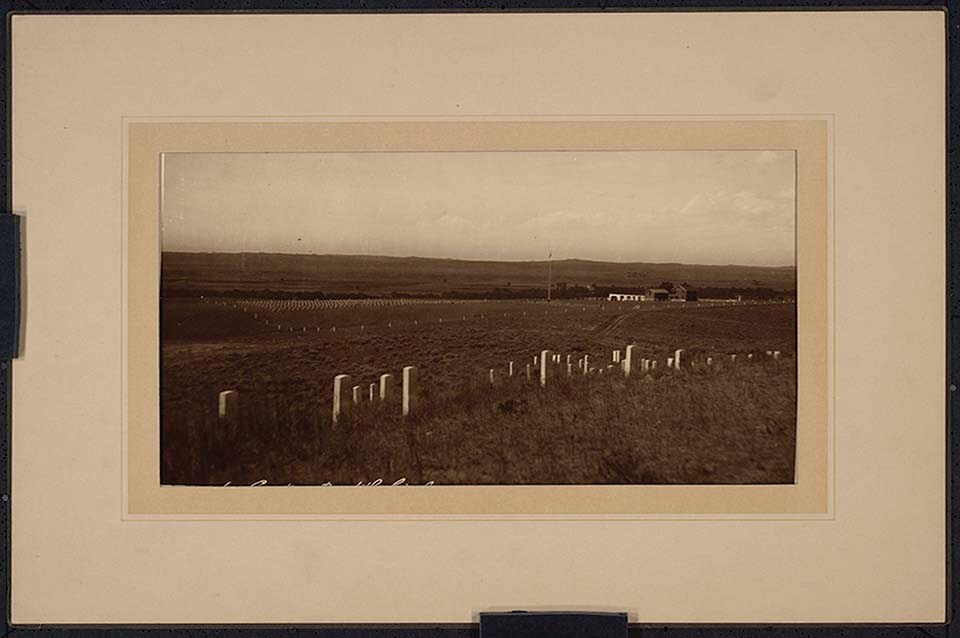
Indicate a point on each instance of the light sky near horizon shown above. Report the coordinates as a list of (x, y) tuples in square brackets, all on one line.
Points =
[(703, 207)]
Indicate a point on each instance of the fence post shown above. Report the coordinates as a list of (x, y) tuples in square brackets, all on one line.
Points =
[(386, 387), (628, 360), (676, 359), (545, 357), (411, 390), (341, 398)]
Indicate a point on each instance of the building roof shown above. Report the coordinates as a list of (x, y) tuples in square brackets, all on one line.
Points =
[(656, 290)]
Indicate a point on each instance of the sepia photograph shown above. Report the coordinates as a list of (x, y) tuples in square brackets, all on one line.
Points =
[(478, 318)]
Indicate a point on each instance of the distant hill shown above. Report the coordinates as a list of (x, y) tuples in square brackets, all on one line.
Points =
[(187, 274)]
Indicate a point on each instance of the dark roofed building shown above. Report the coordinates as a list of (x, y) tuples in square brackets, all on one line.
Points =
[(683, 292), (658, 294)]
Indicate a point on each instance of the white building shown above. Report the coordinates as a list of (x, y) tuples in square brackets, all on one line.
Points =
[(624, 296)]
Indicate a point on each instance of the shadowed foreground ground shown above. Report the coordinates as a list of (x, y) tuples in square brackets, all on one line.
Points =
[(718, 425)]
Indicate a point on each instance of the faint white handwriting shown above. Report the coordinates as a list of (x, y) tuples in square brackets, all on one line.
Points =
[(375, 483)]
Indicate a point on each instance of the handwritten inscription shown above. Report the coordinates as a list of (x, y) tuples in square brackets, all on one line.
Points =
[(375, 483)]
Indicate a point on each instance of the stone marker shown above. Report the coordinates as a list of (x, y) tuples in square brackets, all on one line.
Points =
[(228, 406), (616, 356), (769, 353), (386, 387), (373, 392), (676, 359), (669, 362), (776, 354), (569, 359), (411, 390), (528, 372), (733, 358), (356, 394), (628, 360), (653, 365), (750, 356), (586, 364), (341, 396), (491, 376), (510, 369), (569, 369), (545, 356), (709, 361)]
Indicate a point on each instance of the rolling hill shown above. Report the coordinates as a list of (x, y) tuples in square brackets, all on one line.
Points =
[(187, 274)]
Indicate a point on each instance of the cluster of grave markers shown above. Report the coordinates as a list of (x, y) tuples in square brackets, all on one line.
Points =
[(626, 361), (264, 307), (346, 395)]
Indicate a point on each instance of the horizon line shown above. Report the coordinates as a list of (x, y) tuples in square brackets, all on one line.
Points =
[(496, 261)]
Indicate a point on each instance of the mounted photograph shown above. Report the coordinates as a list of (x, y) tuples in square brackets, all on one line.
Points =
[(608, 317)]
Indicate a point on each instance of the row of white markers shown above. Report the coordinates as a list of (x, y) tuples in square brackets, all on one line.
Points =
[(626, 360), (346, 394)]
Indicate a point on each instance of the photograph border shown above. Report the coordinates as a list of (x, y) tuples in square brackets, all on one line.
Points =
[(147, 139)]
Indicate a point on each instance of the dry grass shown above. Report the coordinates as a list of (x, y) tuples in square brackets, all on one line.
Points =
[(731, 424)]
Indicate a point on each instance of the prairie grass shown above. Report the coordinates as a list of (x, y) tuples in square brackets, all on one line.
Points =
[(717, 426)]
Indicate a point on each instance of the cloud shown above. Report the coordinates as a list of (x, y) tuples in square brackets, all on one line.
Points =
[(745, 207)]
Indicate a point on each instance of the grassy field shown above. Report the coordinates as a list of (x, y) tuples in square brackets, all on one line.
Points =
[(723, 424)]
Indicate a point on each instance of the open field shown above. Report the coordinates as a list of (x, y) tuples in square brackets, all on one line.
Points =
[(726, 423)]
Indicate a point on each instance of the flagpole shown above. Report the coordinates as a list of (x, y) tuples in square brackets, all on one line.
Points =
[(549, 274)]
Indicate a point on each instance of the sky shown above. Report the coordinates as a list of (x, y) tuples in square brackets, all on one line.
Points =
[(697, 207)]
